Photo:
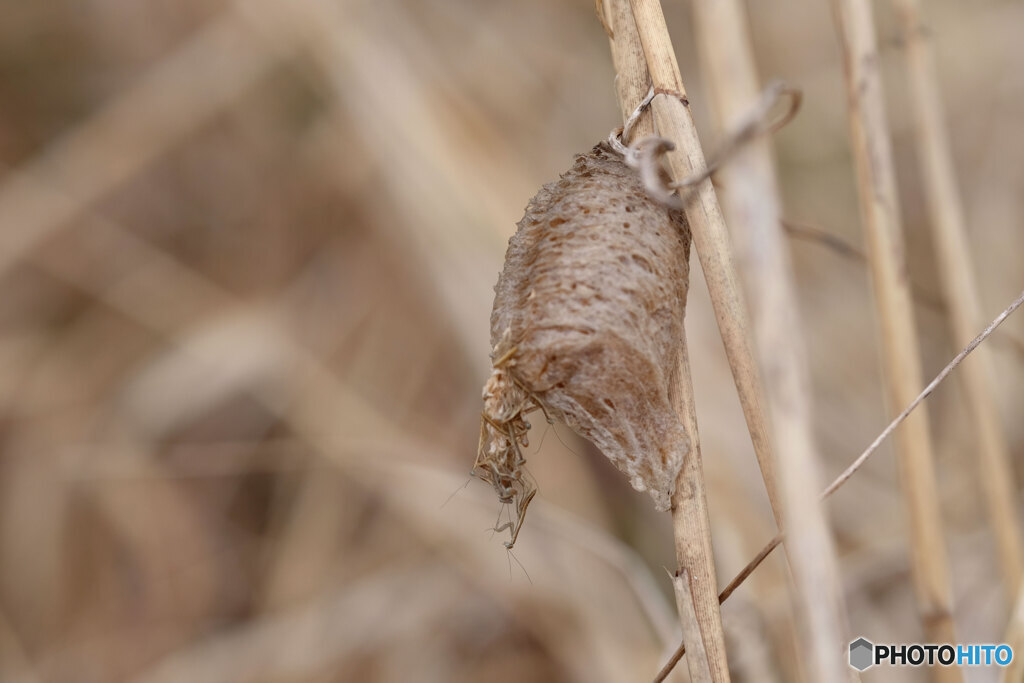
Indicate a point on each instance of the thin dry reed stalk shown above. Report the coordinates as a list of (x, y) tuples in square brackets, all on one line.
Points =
[(960, 289), (698, 603), (700, 669), (751, 201), (880, 212), (710, 235), (872, 448)]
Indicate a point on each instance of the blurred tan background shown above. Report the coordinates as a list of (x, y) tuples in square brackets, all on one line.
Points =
[(247, 253)]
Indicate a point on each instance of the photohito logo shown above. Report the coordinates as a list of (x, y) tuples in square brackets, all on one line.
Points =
[(864, 654)]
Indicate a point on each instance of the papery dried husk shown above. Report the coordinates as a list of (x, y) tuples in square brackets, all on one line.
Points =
[(588, 323)]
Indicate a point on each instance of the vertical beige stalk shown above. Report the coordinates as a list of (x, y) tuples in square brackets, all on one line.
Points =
[(673, 121), (691, 627), (710, 237), (693, 547), (880, 212), (751, 201), (960, 290), (698, 603)]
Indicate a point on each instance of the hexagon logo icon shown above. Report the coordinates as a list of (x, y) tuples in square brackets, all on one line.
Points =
[(862, 653)]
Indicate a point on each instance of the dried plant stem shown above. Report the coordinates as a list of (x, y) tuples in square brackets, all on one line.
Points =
[(960, 289), (922, 296), (880, 212), (693, 547), (856, 465), (691, 627), (959, 358), (691, 524), (751, 201), (632, 79), (710, 236)]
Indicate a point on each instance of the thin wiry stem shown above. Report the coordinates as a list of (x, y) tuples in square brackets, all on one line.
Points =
[(855, 465), (966, 351)]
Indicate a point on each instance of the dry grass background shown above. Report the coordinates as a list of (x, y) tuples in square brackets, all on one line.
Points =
[(247, 253)]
